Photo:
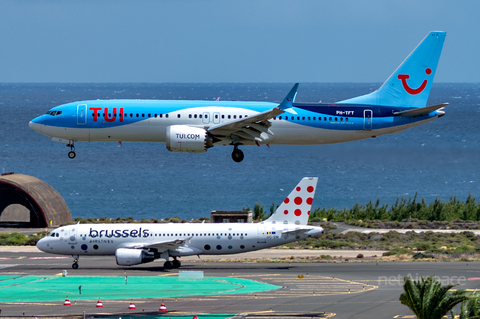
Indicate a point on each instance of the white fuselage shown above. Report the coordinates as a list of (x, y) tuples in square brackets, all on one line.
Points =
[(200, 238)]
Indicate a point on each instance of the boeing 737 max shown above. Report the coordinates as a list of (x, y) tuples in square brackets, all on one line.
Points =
[(134, 244), (195, 126)]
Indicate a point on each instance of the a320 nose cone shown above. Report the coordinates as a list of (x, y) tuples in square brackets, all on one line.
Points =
[(41, 245)]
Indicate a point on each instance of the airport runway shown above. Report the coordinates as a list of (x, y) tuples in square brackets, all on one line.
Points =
[(322, 292)]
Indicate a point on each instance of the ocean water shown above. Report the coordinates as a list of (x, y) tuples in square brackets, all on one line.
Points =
[(144, 180)]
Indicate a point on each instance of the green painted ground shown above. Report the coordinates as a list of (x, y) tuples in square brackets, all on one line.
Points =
[(50, 288)]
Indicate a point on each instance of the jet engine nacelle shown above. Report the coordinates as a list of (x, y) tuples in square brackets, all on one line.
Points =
[(184, 138), (130, 256)]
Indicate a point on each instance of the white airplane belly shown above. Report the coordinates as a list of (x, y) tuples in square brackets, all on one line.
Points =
[(136, 132)]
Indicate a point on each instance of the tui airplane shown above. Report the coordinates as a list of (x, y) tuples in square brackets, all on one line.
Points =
[(195, 126), (134, 244)]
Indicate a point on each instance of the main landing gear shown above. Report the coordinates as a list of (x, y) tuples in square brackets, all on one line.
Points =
[(75, 262), (237, 154), (71, 154), (172, 264)]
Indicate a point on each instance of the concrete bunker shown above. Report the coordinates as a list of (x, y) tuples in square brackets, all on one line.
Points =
[(26, 201)]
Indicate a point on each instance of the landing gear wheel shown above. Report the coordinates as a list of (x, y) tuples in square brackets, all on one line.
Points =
[(177, 264), (75, 266), (237, 155), (168, 265), (71, 154)]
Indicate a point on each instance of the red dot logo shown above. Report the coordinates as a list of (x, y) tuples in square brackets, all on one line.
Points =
[(286, 201), (298, 189), (310, 189), (428, 71), (298, 200), (298, 212), (309, 201), (308, 213), (285, 212)]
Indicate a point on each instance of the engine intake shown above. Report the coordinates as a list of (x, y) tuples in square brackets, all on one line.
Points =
[(130, 256), (183, 138)]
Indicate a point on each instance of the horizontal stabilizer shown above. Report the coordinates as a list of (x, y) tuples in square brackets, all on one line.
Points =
[(420, 111), (299, 230)]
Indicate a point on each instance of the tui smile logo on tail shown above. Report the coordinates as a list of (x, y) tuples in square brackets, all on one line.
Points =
[(407, 88)]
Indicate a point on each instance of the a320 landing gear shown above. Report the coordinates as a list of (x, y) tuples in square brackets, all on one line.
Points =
[(75, 262), (71, 154), (237, 154), (172, 264)]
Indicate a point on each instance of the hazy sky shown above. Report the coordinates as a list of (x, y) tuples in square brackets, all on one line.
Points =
[(231, 41)]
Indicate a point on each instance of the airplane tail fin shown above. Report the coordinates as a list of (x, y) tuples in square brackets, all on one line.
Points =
[(295, 209), (410, 84)]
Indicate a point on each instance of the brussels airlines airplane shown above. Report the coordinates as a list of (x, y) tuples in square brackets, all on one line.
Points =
[(134, 244), (195, 126)]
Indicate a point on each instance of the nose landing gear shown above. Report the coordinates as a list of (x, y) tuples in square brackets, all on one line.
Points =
[(75, 262), (71, 154), (237, 154)]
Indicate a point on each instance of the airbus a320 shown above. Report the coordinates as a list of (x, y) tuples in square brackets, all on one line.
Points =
[(134, 244)]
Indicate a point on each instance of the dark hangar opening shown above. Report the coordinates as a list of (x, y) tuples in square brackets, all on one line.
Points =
[(27, 202)]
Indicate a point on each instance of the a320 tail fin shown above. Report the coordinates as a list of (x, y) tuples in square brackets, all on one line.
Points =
[(410, 84), (295, 209)]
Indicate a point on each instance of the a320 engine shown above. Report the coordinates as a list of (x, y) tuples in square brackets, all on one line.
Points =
[(130, 256), (183, 138)]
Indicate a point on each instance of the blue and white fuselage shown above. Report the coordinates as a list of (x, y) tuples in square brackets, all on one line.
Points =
[(195, 126)]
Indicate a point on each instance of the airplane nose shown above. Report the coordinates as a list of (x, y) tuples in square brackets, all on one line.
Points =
[(34, 125), (42, 244)]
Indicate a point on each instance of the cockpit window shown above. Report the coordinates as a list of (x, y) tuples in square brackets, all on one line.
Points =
[(52, 234), (54, 113)]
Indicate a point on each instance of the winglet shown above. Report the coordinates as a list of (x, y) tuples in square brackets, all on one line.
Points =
[(287, 102)]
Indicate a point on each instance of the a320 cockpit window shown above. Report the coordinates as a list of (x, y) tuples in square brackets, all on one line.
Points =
[(54, 235), (54, 113)]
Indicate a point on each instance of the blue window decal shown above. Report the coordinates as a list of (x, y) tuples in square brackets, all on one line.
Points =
[(84, 247), (230, 247), (218, 237), (73, 247), (219, 247)]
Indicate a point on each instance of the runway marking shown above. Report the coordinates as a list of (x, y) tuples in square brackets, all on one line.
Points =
[(22, 257), (8, 266), (48, 258)]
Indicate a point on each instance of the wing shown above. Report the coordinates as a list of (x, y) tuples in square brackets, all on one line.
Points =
[(161, 246), (254, 128)]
